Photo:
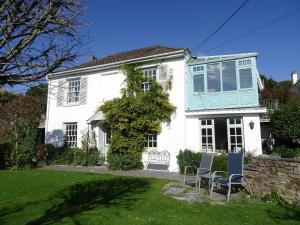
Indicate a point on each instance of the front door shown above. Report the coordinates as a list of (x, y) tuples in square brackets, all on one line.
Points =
[(207, 135)]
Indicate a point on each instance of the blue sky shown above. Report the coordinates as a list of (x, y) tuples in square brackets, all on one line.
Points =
[(118, 25)]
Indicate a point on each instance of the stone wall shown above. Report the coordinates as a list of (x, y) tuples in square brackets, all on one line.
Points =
[(267, 173)]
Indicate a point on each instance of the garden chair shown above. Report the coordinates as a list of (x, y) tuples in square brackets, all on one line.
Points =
[(235, 168), (204, 170)]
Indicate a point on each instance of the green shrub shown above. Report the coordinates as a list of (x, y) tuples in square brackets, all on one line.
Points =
[(274, 197), (190, 158), (125, 161), (286, 152), (5, 152), (219, 163)]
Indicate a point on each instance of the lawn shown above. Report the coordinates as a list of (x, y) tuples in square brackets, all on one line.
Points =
[(50, 197)]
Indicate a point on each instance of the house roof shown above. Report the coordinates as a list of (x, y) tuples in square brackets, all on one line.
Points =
[(128, 55)]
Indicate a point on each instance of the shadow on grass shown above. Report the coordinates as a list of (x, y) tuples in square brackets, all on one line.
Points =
[(89, 195), (285, 212)]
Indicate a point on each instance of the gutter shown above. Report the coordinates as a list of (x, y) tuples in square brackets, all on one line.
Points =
[(116, 64)]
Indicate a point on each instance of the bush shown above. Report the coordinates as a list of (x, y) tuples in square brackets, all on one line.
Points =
[(219, 163), (190, 158), (67, 156), (286, 152), (125, 161), (5, 152)]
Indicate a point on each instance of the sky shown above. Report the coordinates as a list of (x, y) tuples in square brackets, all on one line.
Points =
[(118, 25)]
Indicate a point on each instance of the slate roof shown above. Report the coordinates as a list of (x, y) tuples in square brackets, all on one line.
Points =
[(128, 55)]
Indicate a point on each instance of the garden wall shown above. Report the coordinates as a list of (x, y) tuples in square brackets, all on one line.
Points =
[(267, 173)]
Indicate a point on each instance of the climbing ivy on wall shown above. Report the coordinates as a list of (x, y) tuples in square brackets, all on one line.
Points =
[(132, 117)]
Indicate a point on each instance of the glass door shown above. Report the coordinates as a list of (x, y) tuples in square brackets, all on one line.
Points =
[(207, 133), (235, 134)]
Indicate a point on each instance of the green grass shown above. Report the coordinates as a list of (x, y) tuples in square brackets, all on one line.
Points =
[(49, 197)]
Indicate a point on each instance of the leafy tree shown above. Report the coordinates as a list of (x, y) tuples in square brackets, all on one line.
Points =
[(277, 90), (133, 117), (285, 124), (38, 37), (20, 118), (40, 94)]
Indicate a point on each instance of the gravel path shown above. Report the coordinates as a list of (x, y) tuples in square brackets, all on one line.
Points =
[(104, 170)]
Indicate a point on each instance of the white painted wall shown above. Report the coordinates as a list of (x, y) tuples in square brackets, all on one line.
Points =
[(252, 137), (103, 86)]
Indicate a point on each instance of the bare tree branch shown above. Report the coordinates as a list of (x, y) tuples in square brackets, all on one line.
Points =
[(38, 37)]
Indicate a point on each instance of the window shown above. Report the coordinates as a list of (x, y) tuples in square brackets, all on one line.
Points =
[(149, 75), (71, 134), (245, 78), (235, 136), (198, 68), (229, 76), (151, 141), (199, 83), (73, 90), (245, 62), (213, 77), (207, 135)]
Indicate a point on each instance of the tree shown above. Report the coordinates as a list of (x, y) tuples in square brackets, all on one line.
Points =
[(37, 37), (133, 117), (20, 118), (285, 124), (277, 90), (40, 94)]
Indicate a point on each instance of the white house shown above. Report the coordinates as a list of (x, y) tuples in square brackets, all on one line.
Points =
[(216, 99)]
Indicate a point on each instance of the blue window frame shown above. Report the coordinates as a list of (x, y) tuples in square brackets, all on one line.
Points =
[(245, 78), (199, 82)]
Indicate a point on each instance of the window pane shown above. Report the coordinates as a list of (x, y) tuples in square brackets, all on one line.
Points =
[(209, 131), (203, 122), (208, 122), (203, 140), (229, 76), (239, 131), (199, 83), (245, 78), (232, 132), (239, 139), (210, 140), (203, 131), (232, 140), (213, 77)]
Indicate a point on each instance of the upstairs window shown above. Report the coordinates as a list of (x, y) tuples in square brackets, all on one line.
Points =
[(151, 141), (245, 78), (149, 75), (213, 77), (229, 76), (73, 90), (71, 134), (199, 83)]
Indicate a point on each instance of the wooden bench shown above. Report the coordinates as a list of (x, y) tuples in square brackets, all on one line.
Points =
[(158, 160)]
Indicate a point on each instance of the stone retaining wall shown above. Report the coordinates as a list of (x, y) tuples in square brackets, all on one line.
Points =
[(267, 173)]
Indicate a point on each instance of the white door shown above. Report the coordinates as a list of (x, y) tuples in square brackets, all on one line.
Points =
[(235, 134), (207, 135)]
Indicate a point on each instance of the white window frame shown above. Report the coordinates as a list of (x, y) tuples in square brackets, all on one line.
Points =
[(239, 146), (149, 73), (73, 91), (207, 127), (152, 138), (71, 138)]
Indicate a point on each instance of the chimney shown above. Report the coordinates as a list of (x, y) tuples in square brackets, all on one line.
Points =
[(294, 77)]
